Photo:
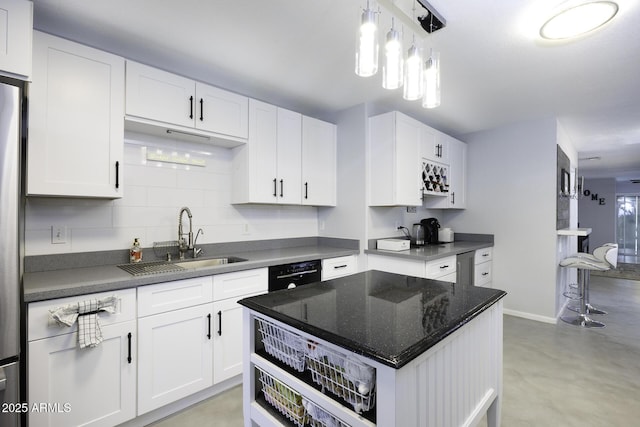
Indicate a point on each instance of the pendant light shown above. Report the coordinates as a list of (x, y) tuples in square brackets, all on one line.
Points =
[(431, 98), (392, 69), (413, 74), (367, 44)]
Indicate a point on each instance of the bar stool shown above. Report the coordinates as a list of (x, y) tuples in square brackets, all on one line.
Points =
[(607, 254), (584, 266)]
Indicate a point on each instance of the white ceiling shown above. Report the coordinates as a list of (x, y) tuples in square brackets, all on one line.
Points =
[(300, 54)]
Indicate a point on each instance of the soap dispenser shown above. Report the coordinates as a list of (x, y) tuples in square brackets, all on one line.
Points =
[(135, 253)]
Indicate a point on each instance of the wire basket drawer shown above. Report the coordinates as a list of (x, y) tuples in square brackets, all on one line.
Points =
[(282, 397), (318, 417), (343, 376), (285, 346)]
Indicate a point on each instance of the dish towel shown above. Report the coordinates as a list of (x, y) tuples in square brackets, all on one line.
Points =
[(86, 314)]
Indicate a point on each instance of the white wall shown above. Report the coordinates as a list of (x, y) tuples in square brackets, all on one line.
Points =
[(511, 194), (153, 196), (592, 214)]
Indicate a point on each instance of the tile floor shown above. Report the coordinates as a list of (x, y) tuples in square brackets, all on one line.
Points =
[(554, 375)]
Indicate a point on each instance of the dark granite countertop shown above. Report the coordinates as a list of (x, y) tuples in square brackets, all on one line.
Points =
[(386, 317), (76, 280)]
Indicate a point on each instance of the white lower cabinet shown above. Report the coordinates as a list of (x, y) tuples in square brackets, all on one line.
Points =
[(175, 351), (339, 267), (482, 272), (228, 289), (440, 269), (70, 386)]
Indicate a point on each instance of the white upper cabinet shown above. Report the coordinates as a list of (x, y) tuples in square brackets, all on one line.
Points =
[(288, 159), (318, 162), (76, 127), (394, 169), (456, 197), (164, 103), (16, 30)]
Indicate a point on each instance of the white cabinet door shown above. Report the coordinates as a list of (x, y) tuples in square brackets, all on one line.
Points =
[(434, 145), (394, 169), (174, 355), (339, 267), (289, 154), (457, 158), (76, 127), (16, 30), (222, 112), (227, 339), (318, 162), (159, 95), (240, 283), (90, 386)]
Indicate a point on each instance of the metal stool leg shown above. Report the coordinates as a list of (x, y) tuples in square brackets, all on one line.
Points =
[(589, 308), (582, 319)]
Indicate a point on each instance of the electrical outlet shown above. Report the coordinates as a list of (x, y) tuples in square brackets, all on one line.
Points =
[(411, 209), (58, 234), (245, 229), (396, 224)]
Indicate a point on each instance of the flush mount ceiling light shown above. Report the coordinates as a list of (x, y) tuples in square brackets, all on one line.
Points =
[(579, 20)]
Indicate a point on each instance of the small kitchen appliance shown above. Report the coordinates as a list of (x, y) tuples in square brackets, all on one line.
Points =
[(393, 244), (445, 235), (418, 235), (431, 227)]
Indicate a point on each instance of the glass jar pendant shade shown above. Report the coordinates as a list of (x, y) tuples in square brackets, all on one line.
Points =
[(393, 62), (367, 42), (413, 75), (431, 98)]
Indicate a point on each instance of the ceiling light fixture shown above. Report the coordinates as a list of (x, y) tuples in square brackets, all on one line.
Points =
[(367, 44), (392, 69), (579, 20), (413, 74), (431, 98)]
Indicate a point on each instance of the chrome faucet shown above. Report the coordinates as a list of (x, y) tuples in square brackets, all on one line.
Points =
[(182, 245)]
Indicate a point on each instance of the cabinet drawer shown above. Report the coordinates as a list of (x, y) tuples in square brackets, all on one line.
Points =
[(338, 267), (482, 274), (42, 325), (169, 296), (441, 267), (239, 283), (483, 255)]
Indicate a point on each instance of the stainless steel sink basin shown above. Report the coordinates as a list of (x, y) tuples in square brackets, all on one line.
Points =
[(209, 262)]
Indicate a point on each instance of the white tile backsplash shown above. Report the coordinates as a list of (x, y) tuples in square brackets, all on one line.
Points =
[(153, 194)]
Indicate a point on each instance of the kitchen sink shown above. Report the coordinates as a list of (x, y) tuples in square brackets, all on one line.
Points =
[(209, 262)]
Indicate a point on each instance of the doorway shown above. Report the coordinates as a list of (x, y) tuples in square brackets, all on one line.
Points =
[(627, 233)]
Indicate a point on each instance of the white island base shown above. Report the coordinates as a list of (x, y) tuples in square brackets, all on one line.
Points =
[(454, 383)]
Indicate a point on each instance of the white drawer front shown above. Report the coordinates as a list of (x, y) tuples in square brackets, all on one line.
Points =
[(42, 325), (482, 274), (239, 283), (338, 267), (483, 255), (409, 267), (441, 267), (163, 297)]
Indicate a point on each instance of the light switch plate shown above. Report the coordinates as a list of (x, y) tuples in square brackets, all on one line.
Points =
[(58, 234)]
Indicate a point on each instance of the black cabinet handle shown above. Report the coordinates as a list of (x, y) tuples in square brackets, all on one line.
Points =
[(306, 190), (442, 267), (201, 110), (220, 323), (453, 197), (336, 267), (209, 320), (117, 175), (275, 187), (281, 188), (191, 107), (129, 347)]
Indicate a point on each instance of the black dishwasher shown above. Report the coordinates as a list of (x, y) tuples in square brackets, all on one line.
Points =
[(287, 276)]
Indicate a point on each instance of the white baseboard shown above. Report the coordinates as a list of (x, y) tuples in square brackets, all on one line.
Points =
[(530, 316)]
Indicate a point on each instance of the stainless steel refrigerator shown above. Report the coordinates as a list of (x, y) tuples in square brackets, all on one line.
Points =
[(12, 132)]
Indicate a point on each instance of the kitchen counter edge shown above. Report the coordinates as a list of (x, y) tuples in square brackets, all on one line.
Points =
[(433, 252), (47, 285)]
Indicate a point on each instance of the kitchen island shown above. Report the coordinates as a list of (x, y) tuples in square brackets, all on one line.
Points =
[(373, 348)]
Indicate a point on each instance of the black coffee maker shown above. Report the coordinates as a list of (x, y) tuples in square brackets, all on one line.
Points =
[(431, 226)]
